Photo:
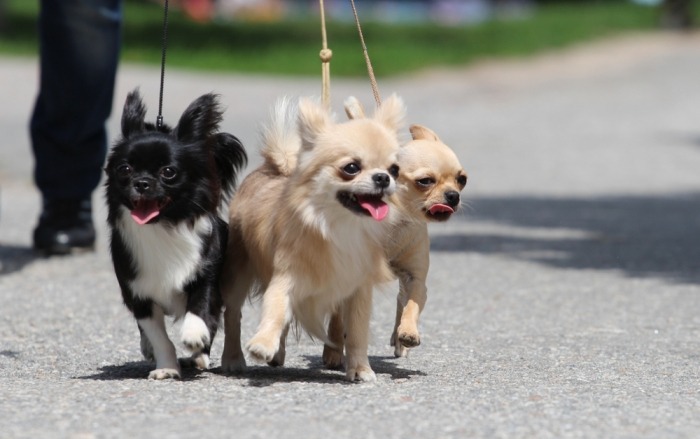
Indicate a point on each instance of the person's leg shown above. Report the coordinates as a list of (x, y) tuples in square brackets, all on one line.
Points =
[(79, 51)]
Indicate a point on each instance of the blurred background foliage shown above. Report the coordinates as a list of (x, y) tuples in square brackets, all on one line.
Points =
[(284, 37)]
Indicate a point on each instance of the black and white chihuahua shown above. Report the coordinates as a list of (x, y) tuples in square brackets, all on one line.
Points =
[(164, 189)]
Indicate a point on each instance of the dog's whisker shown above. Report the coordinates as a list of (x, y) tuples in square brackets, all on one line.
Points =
[(466, 205)]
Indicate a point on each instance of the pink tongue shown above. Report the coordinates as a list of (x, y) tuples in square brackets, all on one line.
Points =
[(440, 208), (377, 208), (145, 211)]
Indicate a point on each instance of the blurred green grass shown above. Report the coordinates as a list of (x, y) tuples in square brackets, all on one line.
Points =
[(291, 47)]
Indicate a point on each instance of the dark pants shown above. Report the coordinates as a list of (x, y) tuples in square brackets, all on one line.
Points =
[(79, 52)]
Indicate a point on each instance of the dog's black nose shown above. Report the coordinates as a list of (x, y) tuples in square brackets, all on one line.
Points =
[(381, 180), (452, 198), (142, 186)]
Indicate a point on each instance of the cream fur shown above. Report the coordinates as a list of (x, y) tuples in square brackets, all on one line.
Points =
[(407, 244), (292, 237)]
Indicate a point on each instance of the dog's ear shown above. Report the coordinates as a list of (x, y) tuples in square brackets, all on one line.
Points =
[(200, 119), (419, 132), (391, 113), (133, 115), (230, 158), (353, 108), (312, 120)]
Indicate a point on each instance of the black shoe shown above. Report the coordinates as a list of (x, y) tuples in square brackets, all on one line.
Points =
[(65, 226)]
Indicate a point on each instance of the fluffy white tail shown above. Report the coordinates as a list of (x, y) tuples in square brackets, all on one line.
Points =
[(281, 141)]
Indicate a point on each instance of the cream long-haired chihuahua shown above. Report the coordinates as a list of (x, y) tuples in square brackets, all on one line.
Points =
[(307, 230), (428, 190)]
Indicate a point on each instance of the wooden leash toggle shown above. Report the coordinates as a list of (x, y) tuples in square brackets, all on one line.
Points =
[(326, 54)]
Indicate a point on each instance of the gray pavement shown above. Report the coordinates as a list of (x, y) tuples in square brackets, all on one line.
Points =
[(564, 301)]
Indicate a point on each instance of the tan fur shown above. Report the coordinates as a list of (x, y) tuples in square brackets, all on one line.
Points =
[(408, 244), (292, 238)]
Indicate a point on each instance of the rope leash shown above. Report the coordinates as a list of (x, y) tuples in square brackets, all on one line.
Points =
[(370, 70), (326, 55), (159, 119)]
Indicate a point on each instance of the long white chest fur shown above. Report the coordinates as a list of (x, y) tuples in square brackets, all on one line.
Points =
[(165, 257), (351, 250), (351, 264)]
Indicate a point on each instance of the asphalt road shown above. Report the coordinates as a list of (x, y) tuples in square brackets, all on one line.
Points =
[(564, 301)]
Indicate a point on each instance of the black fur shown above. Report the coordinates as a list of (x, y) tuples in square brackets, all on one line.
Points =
[(188, 172)]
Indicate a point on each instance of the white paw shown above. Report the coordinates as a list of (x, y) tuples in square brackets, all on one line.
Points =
[(261, 350), (199, 360), (164, 374), (195, 334), (360, 373)]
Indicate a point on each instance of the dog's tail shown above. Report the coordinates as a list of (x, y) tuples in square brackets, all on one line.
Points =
[(280, 138)]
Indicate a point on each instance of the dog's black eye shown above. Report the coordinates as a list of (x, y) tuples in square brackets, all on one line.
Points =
[(351, 168), (394, 171), (462, 180), (124, 170), (425, 182), (168, 173)]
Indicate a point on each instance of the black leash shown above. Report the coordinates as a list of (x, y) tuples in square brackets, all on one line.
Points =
[(159, 120)]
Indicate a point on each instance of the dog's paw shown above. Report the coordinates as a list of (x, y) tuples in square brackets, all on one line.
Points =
[(233, 366), (262, 351), (406, 340), (409, 338), (400, 351), (360, 373), (164, 374), (199, 361), (332, 358), (278, 358), (195, 334)]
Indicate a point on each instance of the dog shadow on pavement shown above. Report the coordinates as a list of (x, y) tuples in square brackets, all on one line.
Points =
[(641, 236), (14, 258), (136, 370), (315, 372), (390, 365), (260, 375)]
